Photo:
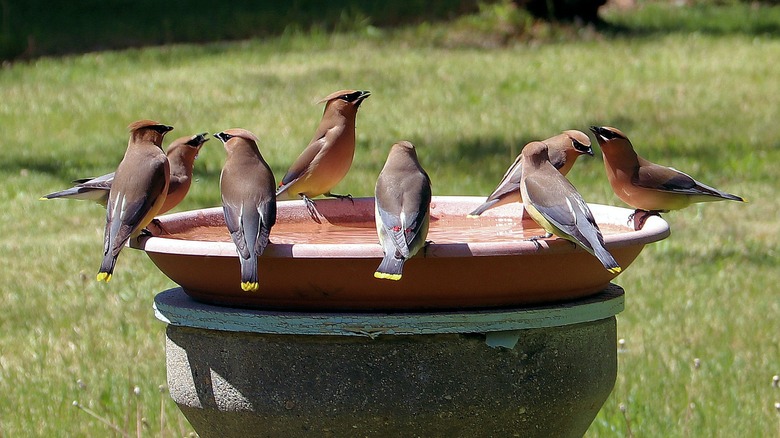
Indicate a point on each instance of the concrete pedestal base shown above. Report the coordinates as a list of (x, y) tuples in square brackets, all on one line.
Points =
[(548, 381)]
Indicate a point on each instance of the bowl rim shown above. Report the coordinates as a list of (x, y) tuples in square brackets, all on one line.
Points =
[(655, 228)]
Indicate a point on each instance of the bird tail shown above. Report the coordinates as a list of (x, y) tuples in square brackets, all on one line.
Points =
[(607, 260), (249, 281), (483, 208), (391, 268), (714, 194), (80, 193), (107, 268), (731, 197)]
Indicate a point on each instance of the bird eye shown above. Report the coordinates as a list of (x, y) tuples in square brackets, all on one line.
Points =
[(351, 97)]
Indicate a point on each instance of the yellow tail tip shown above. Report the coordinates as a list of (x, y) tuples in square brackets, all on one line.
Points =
[(43, 198), (616, 270), (387, 276), (250, 286), (104, 276), (473, 216)]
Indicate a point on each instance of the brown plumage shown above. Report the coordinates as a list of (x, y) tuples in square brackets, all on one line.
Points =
[(402, 199), (138, 190), (328, 157), (648, 186), (248, 200), (553, 202), (564, 149), (181, 157)]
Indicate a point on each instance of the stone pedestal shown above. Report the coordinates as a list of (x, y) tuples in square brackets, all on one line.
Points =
[(540, 371)]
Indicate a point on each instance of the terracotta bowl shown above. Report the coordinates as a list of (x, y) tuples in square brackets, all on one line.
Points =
[(328, 263)]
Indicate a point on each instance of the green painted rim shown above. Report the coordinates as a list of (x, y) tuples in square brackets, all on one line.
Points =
[(175, 307)]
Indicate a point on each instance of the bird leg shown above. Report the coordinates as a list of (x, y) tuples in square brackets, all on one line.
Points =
[(425, 247), (312, 207), (645, 214), (333, 195), (535, 240)]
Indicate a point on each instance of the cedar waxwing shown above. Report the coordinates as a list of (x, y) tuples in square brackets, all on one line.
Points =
[(553, 202), (327, 158), (248, 200), (563, 150), (138, 190), (403, 198), (645, 185), (181, 157)]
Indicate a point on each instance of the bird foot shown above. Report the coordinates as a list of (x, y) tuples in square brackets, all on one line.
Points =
[(312, 208), (333, 195), (156, 222), (535, 240), (643, 215)]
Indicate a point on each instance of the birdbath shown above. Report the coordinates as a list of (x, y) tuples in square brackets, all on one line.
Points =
[(486, 334)]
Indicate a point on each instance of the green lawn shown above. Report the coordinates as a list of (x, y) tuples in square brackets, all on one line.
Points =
[(702, 101)]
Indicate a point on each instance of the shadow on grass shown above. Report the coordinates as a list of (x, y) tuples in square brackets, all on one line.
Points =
[(35, 28), (653, 20), (39, 27)]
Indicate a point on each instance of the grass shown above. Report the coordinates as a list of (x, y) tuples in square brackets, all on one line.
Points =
[(701, 101)]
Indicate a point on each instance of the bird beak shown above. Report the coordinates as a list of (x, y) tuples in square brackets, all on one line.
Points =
[(363, 96), (198, 140), (583, 149), (597, 131), (221, 136)]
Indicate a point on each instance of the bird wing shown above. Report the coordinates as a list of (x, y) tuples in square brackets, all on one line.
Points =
[(267, 212), (417, 209), (127, 212), (234, 217), (654, 176), (565, 210), (510, 182), (303, 162), (551, 202), (100, 182)]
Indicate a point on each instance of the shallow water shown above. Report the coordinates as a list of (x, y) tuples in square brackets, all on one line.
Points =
[(445, 229)]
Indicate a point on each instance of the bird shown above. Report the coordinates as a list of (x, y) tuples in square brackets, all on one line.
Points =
[(553, 202), (248, 200), (563, 148), (181, 157), (138, 190), (402, 209), (647, 186), (328, 157)]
